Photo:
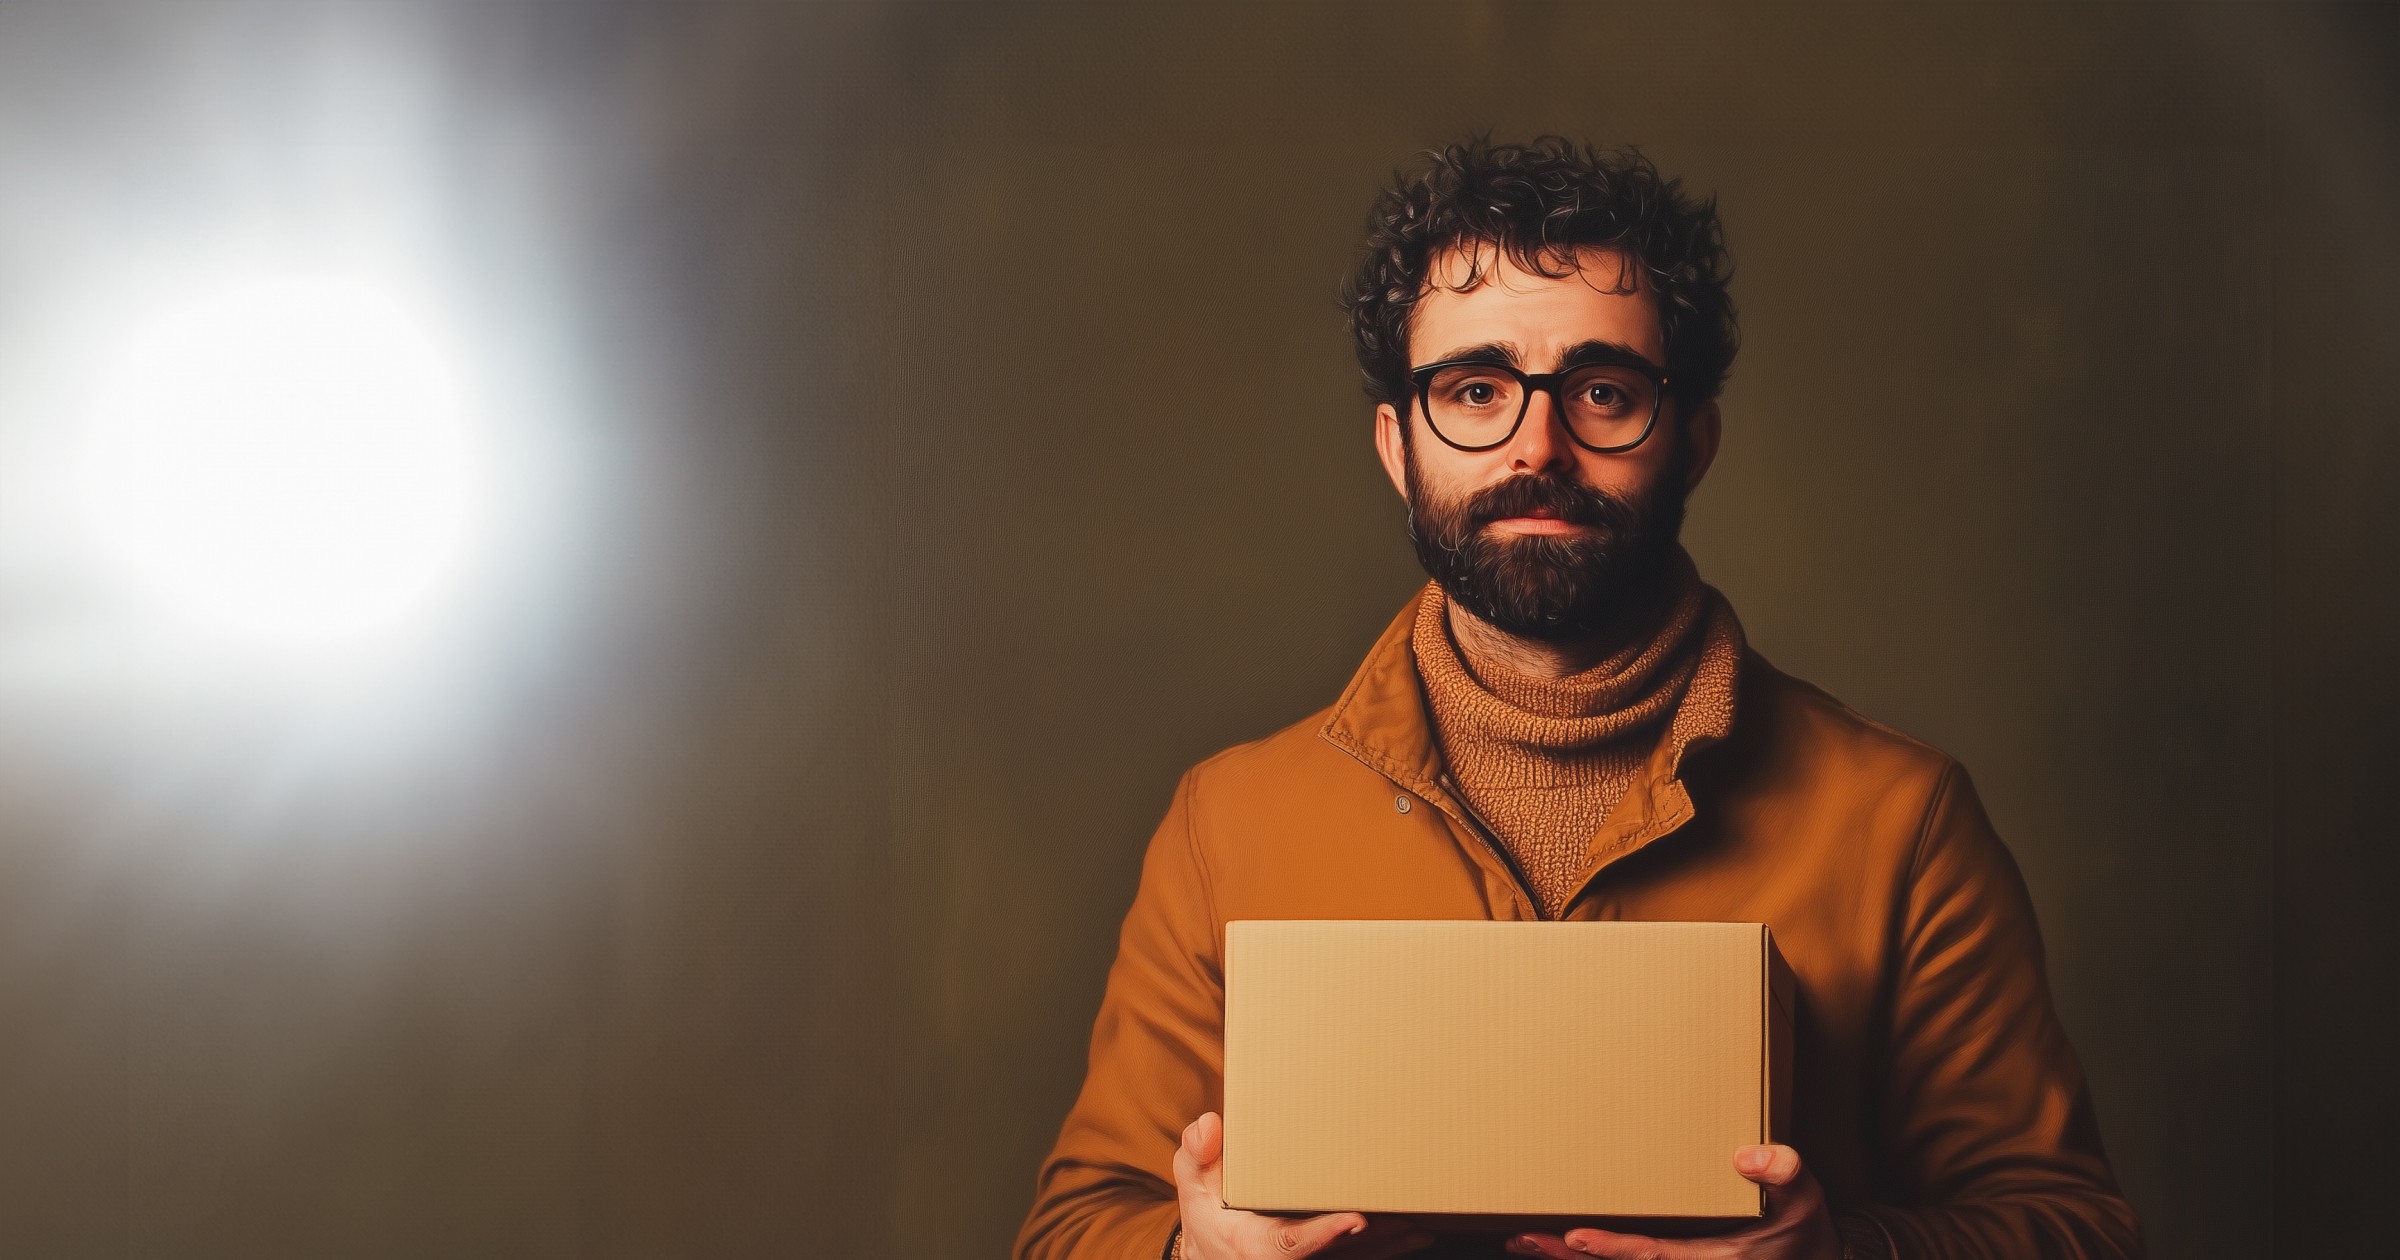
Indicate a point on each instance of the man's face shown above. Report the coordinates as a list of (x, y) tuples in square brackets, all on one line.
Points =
[(1539, 536)]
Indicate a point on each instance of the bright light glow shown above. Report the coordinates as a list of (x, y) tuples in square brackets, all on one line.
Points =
[(294, 461)]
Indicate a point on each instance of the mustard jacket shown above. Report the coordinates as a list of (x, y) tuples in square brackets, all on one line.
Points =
[(1933, 1086)]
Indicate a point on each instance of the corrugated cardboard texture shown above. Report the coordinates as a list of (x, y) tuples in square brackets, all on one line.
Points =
[(1603, 1069)]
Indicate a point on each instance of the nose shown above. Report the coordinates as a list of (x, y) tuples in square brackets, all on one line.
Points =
[(1540, 442)]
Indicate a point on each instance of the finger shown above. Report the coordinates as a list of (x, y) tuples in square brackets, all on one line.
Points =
[(1379, 1230), (1547, 1245), (1187, 1168), (1205, 1138), (1610, 1245), (1313, 1234), (1384, 1239), (1768, 1165), (1204, 1143), (1198, 1186)]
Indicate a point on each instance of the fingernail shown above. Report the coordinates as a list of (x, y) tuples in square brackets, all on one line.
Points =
[(1359, 1228), (1584, 1246)]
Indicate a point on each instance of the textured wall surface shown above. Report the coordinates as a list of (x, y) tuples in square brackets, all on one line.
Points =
[(975, 444)]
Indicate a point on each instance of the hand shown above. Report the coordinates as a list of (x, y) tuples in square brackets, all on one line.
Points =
[(1213, 1231), (1797, 1225)]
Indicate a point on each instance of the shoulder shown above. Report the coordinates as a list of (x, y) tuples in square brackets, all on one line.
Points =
[(1294, 802), (1270, 764), (1779, 714), (1796, 751)]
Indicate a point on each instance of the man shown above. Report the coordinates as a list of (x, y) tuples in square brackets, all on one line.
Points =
[(1566, 723)]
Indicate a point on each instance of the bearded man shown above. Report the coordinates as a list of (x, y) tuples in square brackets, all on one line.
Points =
[(1566, 723)]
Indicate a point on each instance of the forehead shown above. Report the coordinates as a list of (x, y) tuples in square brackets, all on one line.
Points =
[(1540, 316)]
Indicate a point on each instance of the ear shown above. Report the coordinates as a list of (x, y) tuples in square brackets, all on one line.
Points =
[(1701, 430), (1392, 448)]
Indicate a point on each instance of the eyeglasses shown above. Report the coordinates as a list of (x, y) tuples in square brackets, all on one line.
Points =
[(1476, 405)]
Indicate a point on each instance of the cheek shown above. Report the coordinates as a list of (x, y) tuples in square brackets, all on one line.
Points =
[(1646, 469), (1445, 485), (1618, 476)]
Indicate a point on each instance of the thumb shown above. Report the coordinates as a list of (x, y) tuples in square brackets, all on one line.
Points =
[(1314, 1234), (1771, 1166), (1204, 1142)]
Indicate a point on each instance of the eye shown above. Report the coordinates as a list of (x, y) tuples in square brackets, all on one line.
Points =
[(1472, 388), (1480, 391), (1607, 393)]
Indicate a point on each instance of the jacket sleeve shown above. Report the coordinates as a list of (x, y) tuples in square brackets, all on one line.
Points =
[(1157, 1062), (1986, 1118)]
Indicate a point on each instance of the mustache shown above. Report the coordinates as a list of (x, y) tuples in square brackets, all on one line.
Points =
[(1541, 493)]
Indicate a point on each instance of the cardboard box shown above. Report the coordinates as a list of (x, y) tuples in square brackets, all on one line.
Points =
[(1501, 1069)]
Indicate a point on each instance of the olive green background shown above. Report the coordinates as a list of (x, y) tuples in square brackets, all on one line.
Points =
[(974, 443)]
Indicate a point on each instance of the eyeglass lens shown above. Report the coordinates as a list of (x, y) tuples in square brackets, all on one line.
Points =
[(1475, 404)]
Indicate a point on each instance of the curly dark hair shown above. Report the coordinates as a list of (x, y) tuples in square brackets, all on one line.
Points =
[(1537, 202)]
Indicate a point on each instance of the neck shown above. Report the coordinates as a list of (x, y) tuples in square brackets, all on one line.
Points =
[(1491, 646), (1643, 614), (1488, 645)]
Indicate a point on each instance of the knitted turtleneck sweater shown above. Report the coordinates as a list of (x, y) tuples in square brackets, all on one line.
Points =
[(1543, 762)]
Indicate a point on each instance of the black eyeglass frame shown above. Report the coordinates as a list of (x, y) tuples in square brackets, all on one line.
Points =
[(1544, 382)]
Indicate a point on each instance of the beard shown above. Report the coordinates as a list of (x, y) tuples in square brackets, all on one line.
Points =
[(1600, 582)]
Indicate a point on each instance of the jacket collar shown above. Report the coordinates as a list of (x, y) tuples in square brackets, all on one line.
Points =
[(1381, 721), (1381, 718)]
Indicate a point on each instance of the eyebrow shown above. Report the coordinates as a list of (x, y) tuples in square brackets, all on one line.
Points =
[(1581, 354)]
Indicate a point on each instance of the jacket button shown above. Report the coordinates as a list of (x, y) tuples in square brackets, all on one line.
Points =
[(1400, 803)]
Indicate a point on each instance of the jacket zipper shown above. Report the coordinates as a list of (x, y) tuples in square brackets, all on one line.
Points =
[(1491, 840)]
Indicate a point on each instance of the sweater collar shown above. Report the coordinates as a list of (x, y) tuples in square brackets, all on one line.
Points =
[(1630, 690), (1381, 720)]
